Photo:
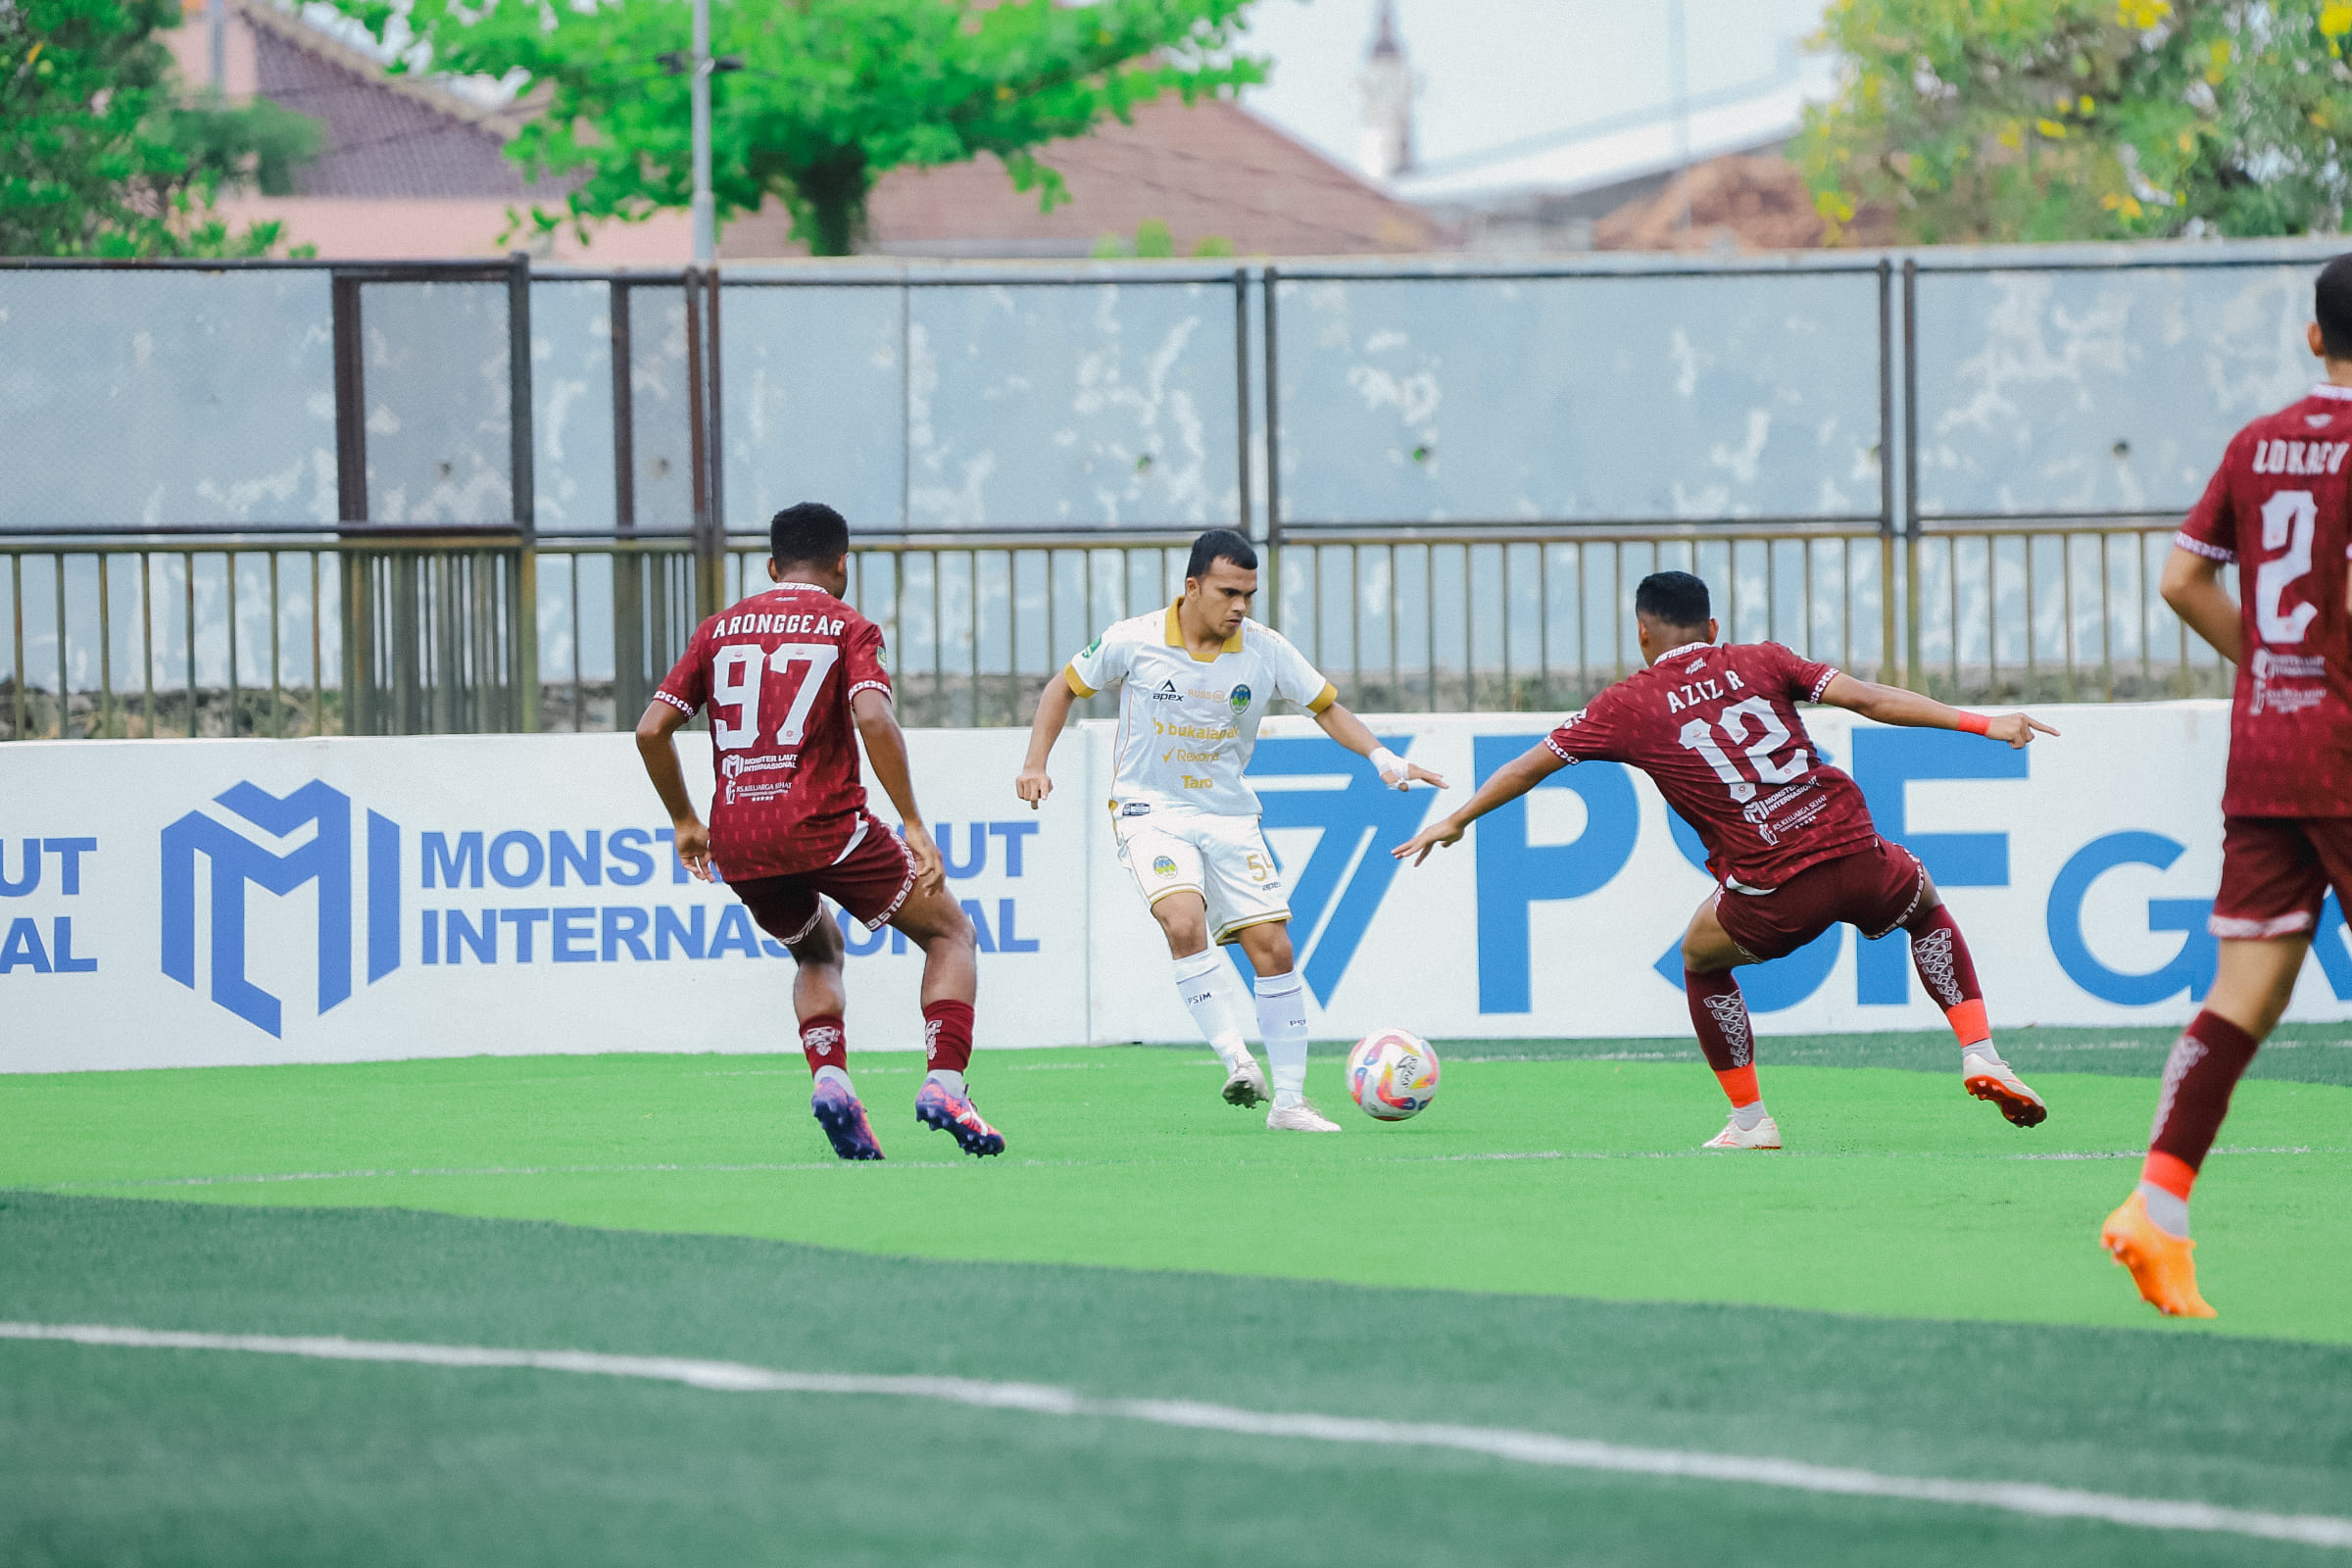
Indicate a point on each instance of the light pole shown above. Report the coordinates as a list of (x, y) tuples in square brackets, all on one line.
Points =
[(706, 208)]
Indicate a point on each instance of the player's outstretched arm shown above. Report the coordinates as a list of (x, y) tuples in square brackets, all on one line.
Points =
[(1510, 781), (886, 748), (2192, 585), (1350, 731), (1892, 705), (1032, 784), (655, 745)]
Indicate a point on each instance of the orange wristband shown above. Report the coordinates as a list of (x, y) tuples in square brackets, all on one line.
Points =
[(1974, 723)]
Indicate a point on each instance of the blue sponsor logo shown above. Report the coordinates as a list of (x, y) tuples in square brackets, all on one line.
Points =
[(237, 861)]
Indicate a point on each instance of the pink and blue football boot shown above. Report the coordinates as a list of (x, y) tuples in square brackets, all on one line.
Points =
[(935, 1106), (839, 1112)]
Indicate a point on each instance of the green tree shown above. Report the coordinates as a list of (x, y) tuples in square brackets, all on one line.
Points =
[(102, 157), (2046, 119), (830, 94)]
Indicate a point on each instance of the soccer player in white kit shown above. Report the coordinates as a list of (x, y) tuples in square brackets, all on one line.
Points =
[(1195, 679)]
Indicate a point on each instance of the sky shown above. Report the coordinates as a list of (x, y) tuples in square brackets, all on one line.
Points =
[(1496, 71)]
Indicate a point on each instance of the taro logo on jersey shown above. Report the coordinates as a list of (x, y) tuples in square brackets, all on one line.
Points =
[(1240, 699), (235, 860), (1165, 865)]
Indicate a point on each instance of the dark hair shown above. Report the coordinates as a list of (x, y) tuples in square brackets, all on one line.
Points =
[(1672, 598), (811, 534), (1220, 544), (2331, 305)]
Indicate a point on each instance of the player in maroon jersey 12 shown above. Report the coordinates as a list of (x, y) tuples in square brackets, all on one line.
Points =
[(2279, 509), (794, 679), (1789, 838)]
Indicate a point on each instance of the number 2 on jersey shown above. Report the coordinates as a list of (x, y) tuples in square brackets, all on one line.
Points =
[(2289, 520), (739, 674), (1699, 736)]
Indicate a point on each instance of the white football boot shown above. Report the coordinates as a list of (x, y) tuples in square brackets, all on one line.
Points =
[(1765, 1134), (1246, 1084), (1299, 1118), (1992, 1080)]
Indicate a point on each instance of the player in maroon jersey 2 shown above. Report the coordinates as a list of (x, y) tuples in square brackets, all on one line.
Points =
[(2280, 506), (1788, 835), (794, 679)]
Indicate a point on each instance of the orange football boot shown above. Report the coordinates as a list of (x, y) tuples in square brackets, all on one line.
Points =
[(2162, 1264)]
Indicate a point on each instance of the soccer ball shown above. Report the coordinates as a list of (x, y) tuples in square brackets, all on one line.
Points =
[(1393, 1074)]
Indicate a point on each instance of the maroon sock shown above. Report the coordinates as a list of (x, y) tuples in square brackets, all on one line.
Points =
[(2203, 1069), (1940, 952), (948, 1035), (824, 1042), (1719, 1015)]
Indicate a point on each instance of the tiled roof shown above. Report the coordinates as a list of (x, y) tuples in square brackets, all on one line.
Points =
[(386, 136), (1212, 168)]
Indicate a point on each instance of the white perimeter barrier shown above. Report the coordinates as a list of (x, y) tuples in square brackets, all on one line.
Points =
[(184, 903)]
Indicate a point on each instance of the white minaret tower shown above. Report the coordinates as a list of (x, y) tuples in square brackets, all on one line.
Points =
[(1387, 84)]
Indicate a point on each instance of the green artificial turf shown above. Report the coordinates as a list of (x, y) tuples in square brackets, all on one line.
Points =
[(118, 1455), (1898, 1195)]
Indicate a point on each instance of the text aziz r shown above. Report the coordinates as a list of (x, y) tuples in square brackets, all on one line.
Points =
[(1693, 693)]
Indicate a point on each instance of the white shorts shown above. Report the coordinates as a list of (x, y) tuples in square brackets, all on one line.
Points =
[(1223, 859)]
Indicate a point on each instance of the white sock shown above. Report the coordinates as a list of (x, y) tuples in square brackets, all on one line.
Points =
[(1281, 1024), (2170, 1213), (1211, 993), (1748, 1117), (947, 1078), (1984, 1049), (836, 1075)]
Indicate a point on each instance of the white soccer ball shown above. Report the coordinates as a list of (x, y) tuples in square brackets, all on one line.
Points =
[(1393, 1074)]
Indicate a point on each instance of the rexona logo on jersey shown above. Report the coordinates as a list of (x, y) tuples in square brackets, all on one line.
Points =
[(1350, 869), (236, 859)]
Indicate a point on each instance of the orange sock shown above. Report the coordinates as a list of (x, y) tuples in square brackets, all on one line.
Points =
[(2170, 1172), (1739, 1083), (1969, 1024)]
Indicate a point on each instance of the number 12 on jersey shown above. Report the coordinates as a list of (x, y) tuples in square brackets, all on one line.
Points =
[(739, 674), (1771, 734)]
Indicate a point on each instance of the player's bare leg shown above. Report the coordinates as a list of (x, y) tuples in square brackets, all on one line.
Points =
[(1726, 1037), (819, 1000), (937, 923), (1211, 993), (1940, 954), (1281, 1024), (2149, 1234)]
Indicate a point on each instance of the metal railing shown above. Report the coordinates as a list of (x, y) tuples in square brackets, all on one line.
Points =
[(1981, 557)]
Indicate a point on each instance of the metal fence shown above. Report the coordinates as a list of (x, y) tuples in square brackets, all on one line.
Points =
[(294, 499)]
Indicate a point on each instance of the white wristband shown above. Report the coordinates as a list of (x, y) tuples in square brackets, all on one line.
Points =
[(1386, 761)]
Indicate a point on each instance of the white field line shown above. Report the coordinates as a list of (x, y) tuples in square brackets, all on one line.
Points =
[(263, 1178), (1499, 1442)]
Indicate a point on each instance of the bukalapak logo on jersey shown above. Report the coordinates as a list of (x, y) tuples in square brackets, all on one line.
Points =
[(232, 845)]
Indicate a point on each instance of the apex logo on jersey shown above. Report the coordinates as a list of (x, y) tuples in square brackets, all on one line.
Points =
[(1337, 892), (236, 861)]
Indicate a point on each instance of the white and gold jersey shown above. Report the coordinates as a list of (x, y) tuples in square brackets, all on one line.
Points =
[(1187, 724)]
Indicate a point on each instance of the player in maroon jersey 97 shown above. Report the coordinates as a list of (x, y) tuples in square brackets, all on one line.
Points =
[(1788, 835), (2280, 506), (794, 679)]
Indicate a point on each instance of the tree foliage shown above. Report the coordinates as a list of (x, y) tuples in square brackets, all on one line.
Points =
[(102, 157), (2046, 119), (831, 94)]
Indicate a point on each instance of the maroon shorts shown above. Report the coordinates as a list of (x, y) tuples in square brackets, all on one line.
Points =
[(871, 879), (1874, 889), (2275, 872)]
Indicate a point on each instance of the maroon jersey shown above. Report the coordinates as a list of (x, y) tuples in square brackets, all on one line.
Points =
[(1716, 730), (2281, 506), (778, 672)]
